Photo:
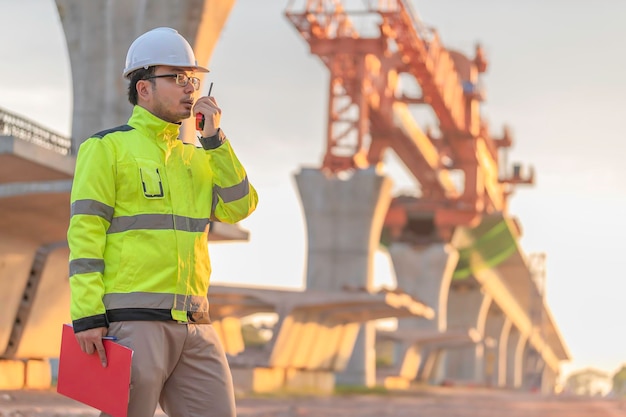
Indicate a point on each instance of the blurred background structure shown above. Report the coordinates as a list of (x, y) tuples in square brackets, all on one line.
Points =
[(469, 301)]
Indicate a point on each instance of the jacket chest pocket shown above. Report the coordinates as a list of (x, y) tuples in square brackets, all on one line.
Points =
[(151, 181)]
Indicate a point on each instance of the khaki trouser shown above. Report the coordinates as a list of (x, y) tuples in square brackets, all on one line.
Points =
[(182, 367)]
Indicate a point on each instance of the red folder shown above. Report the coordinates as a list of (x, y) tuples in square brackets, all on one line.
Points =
[(82, 377)]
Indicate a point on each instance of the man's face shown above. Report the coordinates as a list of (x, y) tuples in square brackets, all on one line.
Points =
[(170, 99)]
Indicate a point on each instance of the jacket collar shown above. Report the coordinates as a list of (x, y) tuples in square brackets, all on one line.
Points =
[(151, 126)]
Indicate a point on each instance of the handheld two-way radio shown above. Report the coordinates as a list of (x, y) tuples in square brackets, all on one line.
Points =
[(200, 116)]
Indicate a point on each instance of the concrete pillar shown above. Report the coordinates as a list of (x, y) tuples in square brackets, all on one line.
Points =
[(492, 333), (432, 367), (515, 358), (548, 381), (464, 306), (361, 369), (425, 272), (37, 374), (41, 325), (534, 366), (521, 362), (344, 220), (503, 346), (98, 34), (511, 363), (12, 374), (16, 259)]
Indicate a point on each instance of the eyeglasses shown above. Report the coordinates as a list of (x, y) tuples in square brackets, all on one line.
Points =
[(181, 79)]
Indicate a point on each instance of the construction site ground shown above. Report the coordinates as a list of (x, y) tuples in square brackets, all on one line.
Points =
[(431, 402)]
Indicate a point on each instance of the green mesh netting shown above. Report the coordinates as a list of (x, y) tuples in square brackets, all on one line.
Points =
[(493, 244)]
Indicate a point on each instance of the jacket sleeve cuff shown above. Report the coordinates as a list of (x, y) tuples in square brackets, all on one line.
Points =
[(215, 141), (90, 322)]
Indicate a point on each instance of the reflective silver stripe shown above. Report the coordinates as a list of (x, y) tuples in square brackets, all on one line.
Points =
[(235, 192), (86, 265), (157, 222), (92, 207), (189, 224), (156, 300)]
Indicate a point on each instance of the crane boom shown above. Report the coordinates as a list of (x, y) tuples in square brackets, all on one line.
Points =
[(368, 110)]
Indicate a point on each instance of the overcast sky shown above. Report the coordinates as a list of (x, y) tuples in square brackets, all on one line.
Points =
[(556, 76)]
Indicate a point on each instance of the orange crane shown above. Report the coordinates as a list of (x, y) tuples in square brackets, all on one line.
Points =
[(369, 110)]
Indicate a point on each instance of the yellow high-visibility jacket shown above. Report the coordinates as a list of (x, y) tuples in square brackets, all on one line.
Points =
[(142, 205)]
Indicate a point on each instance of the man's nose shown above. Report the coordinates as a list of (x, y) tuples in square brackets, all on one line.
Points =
[(189, 88)]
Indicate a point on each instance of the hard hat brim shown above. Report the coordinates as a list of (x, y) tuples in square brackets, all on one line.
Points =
[(198, 68)]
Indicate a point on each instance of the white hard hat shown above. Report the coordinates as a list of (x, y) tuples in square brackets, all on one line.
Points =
[(161, 46)]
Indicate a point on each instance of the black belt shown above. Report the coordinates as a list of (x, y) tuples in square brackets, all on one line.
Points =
[(143, 314), (139, 314)]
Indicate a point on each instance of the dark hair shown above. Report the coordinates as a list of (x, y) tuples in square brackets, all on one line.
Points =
[(137, 75)]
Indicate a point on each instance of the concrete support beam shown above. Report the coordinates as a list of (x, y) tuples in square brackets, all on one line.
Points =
[(511, 365), (465, 364), (344, 220), (361, 368), (503, 353), (534, 367), (549, 380), (298, 336), (515, 367), (425, 350), (12, 374), (432, 365), (12, 149), (229, 331), (20, 374), (38, 374), (16, 258), (493, 335), (424, 272), (44, 305), (411, 359)]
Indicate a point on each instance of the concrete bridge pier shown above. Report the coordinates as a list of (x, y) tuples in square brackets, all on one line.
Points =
[(549, 380), (534, 367), (504, 347), (344, 220), (537, 374), (425, 272), (515, 352), (466, 364), (491, 326), (494, 335)]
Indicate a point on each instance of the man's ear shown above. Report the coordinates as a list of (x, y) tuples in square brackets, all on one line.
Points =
[(144, 89)]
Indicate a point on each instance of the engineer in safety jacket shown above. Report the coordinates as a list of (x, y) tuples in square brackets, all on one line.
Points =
[(142, 205)]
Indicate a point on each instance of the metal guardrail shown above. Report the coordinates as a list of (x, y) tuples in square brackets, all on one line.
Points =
[(29, 131)]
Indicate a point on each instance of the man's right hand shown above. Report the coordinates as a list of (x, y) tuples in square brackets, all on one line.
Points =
[(91, 340)]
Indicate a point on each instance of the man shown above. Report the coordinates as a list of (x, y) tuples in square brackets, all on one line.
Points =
[(142, 202)]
